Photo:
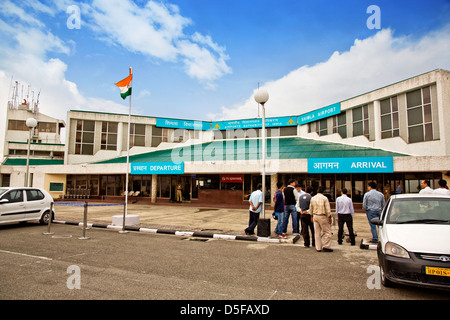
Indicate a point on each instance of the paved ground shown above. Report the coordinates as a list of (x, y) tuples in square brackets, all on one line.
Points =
[(161, 267), (183, 217)]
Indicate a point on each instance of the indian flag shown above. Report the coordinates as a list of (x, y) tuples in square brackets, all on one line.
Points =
[(125, 86)]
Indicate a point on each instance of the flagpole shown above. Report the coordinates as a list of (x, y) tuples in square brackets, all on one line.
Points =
[(125, 211)]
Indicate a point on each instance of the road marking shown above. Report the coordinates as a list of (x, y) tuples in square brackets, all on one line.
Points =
[(26, 255), (273, 293)]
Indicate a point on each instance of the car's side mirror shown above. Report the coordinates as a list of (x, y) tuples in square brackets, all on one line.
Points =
[(376, 221), (4, 201)]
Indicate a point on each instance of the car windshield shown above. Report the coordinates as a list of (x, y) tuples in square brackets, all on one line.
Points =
[(419, 210), (2, 191)]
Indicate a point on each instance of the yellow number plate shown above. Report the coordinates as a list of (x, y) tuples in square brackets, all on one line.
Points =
[(437, 271)]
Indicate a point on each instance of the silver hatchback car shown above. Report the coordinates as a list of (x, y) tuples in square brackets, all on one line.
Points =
[(25, 204)]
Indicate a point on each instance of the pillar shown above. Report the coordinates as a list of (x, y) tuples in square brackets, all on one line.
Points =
[(154, 187), (273, 187)]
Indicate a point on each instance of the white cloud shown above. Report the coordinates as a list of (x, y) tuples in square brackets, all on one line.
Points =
[(156, 30), (369, 64), (25, 60), (10, 9)]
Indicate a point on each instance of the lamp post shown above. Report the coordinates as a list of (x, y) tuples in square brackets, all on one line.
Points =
[(31, 124), (262, 96)]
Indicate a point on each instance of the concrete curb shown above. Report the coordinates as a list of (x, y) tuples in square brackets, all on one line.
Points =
[(367, 246), (184, 233)]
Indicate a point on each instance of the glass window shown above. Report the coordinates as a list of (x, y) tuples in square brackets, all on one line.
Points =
[(340, 124), (84, 137), (419, 211), (420, 117), (210, 181), (159, 135), (109, 136), (34, 195), (165, 186), (323, 127), (287, 131), (389, 118), (361, 121), (137, 135), (19, 125), (414, 99), (46, 127), (415, 134), (14, 196)]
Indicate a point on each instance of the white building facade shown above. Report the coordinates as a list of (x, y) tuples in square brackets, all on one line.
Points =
[(404, 124)]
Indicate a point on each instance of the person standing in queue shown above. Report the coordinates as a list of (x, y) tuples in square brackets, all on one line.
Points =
[(320, 209), (373, 204), (345, 212), (306, 220), (290, 200), (255, 200), (279, 209)]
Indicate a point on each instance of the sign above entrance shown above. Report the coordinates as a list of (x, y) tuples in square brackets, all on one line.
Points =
[(322, 113), (157, 168), (254, 123), (351, 165), (183, 124), (232, 178)]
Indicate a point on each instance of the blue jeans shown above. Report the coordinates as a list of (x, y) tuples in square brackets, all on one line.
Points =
[(279, 229), (291, 211), (370, 215)]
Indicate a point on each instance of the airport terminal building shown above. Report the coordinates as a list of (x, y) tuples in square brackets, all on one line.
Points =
[(397, 134)]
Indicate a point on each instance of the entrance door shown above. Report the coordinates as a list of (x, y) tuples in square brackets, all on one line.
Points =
[(182, 186)]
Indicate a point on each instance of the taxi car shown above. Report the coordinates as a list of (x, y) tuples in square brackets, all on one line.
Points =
[(25, 204), (414, 241)]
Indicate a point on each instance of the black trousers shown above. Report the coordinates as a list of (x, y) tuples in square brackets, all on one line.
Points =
[(347, 219), (252, 222), (306, 223)]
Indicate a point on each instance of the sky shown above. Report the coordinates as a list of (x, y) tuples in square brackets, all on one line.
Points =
[(203, 59)]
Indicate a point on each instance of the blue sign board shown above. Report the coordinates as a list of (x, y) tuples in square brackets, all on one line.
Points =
[(157, 168), (254, 123), (351, 165), (319, 114), (183, 124)]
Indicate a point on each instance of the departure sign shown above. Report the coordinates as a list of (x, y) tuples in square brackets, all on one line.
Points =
[(157, 168)]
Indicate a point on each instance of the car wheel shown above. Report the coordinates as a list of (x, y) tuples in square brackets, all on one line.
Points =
[(45, 217), (385, 281)]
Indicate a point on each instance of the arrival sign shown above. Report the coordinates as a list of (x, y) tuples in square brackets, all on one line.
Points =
[(351, 165)]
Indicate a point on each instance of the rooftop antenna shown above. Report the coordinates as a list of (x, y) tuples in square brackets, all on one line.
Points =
[(36, 106), (9, 93), (14, 97)]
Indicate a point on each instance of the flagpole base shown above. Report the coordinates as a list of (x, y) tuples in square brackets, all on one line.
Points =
[(130, 220)]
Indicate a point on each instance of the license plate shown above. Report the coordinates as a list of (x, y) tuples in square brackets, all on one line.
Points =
[(437, 271)]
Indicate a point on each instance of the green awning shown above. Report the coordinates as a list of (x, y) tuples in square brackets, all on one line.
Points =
[(33, 162), (282, 148)]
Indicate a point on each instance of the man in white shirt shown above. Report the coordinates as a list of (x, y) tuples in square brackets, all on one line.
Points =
[(442, 188), (256, 203), (425, 185), (345, 212)]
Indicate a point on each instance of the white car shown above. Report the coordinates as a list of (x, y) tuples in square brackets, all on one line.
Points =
[(414, 240), (25, 204)]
